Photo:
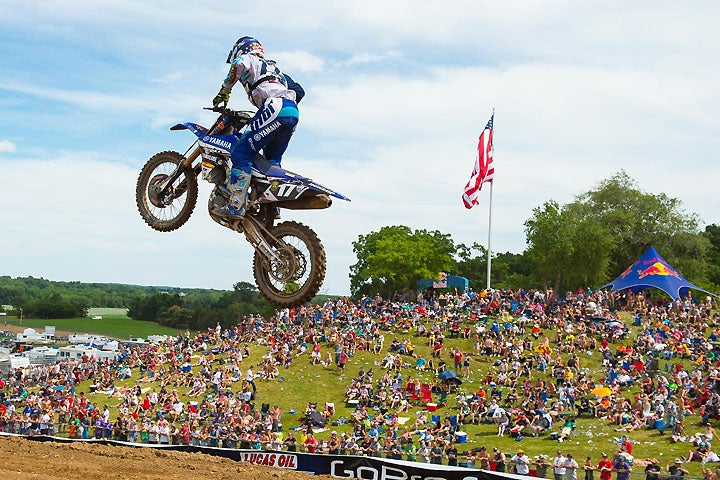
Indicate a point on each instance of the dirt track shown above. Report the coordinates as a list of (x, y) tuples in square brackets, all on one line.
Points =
[(44, 461)]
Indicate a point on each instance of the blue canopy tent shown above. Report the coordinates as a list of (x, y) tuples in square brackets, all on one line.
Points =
[(651, 270), (447, 281)]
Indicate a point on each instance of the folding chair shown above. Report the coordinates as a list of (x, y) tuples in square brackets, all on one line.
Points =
[(426, 393)]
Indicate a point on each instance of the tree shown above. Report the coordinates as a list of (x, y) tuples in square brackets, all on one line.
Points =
[(569, 250), (176, 317), (55, 305), (472, 263), (637, 220), (712, 233), (602, 232), (150, 307), (395, 258), (509, 270)]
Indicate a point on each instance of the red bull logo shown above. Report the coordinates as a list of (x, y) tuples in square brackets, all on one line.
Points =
[(657, 268), (629, 270)]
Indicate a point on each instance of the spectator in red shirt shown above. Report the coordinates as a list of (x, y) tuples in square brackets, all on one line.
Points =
[(626, 445), (311, 443), (605, 467)]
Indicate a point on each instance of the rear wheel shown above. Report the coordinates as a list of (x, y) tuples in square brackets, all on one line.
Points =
[(298, 277), (169, 209)]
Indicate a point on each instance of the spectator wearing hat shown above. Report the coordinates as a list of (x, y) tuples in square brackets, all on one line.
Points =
[(676, 470), (621, 468), (605, 467), (499, 459), (559, 466), (700, 454), (652, 469), (541, 465), (521, 463), (571, 467)]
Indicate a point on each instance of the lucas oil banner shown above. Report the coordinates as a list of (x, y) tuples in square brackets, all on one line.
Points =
[(337, 466)]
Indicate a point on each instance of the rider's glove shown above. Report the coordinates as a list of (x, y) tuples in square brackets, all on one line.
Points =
[(223, 97)]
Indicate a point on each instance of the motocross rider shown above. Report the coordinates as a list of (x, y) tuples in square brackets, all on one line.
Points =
[(275, 95)]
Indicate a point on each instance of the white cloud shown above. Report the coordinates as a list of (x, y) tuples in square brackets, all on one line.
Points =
[(298, 61), (6, 146), (365, 57), (579, 93)]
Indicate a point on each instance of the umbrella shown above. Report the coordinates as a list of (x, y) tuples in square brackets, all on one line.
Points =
[(601, 391), (498, 412), (447, 374), (454, 380)]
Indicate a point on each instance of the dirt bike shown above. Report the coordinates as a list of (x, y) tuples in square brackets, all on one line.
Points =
[(289, 261)]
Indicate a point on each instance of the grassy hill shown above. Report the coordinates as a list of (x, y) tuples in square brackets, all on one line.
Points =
[(302, 383), (112, 325)]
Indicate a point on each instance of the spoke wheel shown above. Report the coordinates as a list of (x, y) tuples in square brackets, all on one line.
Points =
[(165, 210), (298, 276)]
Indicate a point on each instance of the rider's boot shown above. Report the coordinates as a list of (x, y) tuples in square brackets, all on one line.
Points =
[(238, 186)]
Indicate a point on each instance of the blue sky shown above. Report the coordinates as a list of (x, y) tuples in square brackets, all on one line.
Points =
[(397, 93)]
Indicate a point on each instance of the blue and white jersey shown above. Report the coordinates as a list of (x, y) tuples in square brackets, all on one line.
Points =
[(261, 78)]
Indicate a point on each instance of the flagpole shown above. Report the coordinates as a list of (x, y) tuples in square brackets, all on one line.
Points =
[(489, 250)]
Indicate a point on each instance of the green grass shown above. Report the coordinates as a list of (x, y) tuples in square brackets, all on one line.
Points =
[(305, 383), (112, 325)]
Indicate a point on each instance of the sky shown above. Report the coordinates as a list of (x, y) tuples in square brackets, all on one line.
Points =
[(397, 94)]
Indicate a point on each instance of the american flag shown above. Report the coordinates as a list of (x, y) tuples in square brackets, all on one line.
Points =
[(483, 170)]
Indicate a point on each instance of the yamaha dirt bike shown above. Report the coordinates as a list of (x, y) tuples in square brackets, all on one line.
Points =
[(289, 262)]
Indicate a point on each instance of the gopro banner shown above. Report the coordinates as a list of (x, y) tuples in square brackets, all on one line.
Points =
[(370, 468)]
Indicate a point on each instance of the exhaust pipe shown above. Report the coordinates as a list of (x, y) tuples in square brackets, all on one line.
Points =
[(317, 202)]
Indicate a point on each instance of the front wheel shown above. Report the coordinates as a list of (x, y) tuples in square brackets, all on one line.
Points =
[(298, 278), (169, 208)]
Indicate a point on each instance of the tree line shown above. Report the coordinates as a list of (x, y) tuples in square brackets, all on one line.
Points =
[(584, 243)]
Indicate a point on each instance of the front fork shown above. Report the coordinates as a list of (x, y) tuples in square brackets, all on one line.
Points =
[(255, 233), (185, 166)]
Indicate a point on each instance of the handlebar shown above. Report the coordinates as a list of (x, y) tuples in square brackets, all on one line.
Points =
[(236, 118), (241, 113)]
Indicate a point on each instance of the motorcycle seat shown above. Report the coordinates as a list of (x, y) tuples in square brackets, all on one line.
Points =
[(270, 170)]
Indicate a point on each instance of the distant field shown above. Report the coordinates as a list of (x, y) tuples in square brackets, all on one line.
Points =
[(107, 311), (112, 325)]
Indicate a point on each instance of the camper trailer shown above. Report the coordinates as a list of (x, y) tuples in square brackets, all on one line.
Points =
[(30, 335), (76, 352), (87, 339), (42, 355), (8, 363)]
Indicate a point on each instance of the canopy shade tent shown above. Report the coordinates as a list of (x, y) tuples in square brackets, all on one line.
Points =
[(447, 281), (651, 270), (447, 374)]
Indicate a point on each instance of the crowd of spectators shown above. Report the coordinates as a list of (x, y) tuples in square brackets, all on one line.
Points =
[(537, 386)]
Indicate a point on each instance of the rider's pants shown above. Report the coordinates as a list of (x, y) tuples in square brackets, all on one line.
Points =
[(270, 131)]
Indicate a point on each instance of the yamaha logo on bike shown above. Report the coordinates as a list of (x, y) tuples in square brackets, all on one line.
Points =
[(217, 142)]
